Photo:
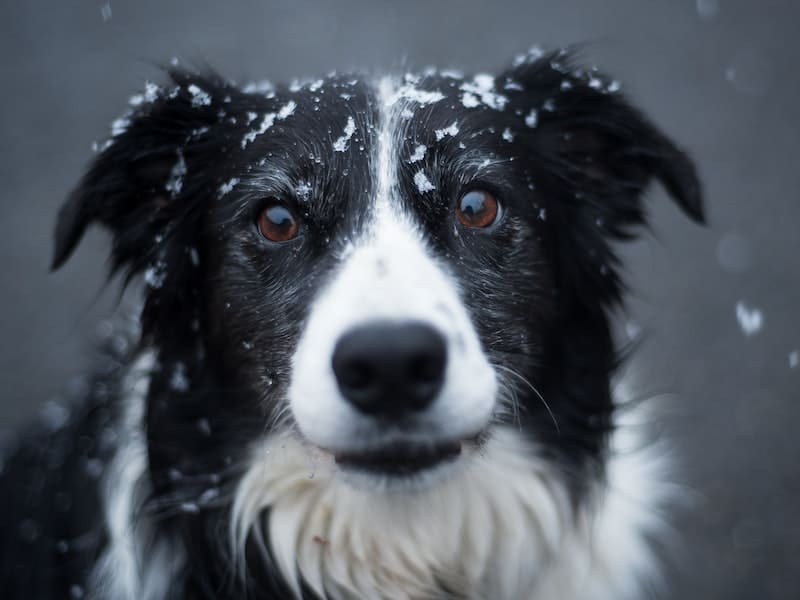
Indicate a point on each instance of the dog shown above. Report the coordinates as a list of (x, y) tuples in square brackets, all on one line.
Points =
[(375, 351)]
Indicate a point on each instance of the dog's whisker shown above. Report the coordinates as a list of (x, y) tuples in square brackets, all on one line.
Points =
[(514, 373)]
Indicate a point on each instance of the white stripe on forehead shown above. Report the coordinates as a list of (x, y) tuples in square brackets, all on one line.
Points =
[(396, 101), (386, 161)]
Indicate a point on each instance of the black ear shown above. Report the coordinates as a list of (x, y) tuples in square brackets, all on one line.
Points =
[(148, 186), (593, 155), (136, 187)]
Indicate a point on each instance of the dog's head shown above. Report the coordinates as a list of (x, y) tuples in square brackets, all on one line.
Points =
[(386, 270)]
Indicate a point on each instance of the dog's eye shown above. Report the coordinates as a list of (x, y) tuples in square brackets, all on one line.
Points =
[(478, 209), (278, 223)]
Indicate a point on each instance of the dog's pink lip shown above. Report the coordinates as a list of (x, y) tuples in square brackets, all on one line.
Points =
[(399, 458)]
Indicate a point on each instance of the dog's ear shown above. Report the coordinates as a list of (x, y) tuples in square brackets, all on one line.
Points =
[(148, 186), (136, 187), (593, 155)]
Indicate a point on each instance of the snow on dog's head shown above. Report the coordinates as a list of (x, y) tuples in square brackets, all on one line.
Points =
[(373, 299)]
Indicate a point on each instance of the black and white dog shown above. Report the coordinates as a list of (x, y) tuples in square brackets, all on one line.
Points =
[(375, 349)]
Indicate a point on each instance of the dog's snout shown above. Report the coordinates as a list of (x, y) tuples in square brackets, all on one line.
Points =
[(389, 368)]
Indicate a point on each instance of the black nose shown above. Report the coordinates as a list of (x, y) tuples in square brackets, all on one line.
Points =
[(390, 368)]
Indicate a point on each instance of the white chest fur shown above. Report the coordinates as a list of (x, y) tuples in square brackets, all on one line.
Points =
[(500, 527)]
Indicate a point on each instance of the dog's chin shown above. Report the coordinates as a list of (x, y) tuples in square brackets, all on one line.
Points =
[(402, 466)]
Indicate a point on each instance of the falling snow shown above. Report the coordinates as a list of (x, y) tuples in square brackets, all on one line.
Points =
[(794, 359), (470, 100), (303, 191), (443, 133), (266, 123), (340, 145), (179, 381), (199, 96), (412, 94), (226, 187), (259, 87), (508, 135), (174, 184), (287, 110), (481, 90), (423, 183), (751, 320), (533, 54), (418, 154), (120, 126), (532, 119), (100, 146), (155, 275), (150, 94), (452, 74)]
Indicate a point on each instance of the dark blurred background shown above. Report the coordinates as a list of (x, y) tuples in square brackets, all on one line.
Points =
[(720, 76)]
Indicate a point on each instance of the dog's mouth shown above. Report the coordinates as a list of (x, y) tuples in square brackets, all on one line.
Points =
[(399, 459)]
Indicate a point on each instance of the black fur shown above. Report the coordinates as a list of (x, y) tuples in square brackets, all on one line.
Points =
[(223, 310)]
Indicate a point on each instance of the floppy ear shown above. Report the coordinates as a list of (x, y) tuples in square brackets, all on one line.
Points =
[(593, 156), (140, 187), (136, 187)]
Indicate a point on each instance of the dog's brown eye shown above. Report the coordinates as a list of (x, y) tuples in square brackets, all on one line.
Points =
[(278, 223), (477, 209)]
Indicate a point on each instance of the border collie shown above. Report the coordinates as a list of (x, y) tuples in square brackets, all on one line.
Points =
[(375, 353)]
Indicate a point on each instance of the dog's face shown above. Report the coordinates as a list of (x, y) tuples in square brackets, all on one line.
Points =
[(372, 274), (399, 258), (385, 271)]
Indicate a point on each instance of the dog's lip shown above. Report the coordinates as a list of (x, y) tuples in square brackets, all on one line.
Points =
[(399, 458)]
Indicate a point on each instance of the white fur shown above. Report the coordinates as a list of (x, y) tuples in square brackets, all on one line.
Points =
[(500, 527), (389, 275), (135, 565)]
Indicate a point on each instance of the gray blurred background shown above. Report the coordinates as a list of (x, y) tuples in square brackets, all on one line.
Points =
[(720, 76)]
